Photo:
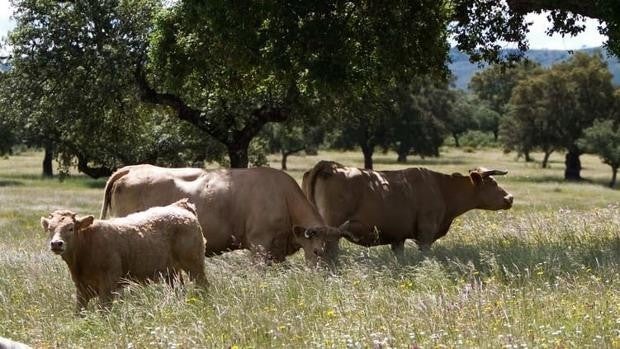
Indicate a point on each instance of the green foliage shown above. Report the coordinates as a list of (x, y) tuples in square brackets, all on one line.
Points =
[(417, 118), (72, 87), (494, 87), (230, 63), (603, 139), (550, 110)]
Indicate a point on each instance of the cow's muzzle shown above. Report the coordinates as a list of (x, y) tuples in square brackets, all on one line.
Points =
[(57, 246), (508, 200)]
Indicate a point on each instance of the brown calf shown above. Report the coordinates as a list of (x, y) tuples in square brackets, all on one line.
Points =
[(143, 246)]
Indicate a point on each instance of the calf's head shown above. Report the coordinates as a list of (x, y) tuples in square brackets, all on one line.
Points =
[(61, 226), (489, 194), (320, 244)]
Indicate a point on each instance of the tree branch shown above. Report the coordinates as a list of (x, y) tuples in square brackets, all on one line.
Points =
[(584, 8), (93, 172), (184, 112)]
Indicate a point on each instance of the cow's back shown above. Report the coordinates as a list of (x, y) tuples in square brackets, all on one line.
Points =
[(234, 206), (391, 201)]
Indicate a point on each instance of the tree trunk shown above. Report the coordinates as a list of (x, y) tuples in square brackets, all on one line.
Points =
[(573, 166), (495, 134), (48, 169), (238, 155), (456, 140), (368, 150), (403, 151), (614, 172), (527, 156), (93, 172), (284, 157), (546, 159)]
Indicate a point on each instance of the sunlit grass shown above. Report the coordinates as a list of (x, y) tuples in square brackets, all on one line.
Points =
[(544, 274)]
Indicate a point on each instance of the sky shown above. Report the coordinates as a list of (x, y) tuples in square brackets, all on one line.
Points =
[(537, 37)]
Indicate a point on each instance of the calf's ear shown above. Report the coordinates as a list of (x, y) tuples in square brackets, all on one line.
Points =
[(45, 223), (83, 222), (476, 178)]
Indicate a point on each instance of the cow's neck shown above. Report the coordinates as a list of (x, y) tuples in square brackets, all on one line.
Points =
[(75, 257), (459, 194)]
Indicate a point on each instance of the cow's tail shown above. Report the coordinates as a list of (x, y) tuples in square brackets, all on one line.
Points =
[(107, 193), (322, 169)]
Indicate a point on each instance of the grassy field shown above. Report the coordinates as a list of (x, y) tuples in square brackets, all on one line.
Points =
[(544, 274)]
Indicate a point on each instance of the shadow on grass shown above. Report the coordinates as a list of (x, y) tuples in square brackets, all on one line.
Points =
[(502, 258), (10, 183), (537, 179), (75, 180)]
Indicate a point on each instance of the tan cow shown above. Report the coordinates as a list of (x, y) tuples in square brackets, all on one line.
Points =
[(388, 207), (143, 246), (260, 209)]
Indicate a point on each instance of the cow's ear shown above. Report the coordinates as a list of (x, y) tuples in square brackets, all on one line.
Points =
[(45, 223), (476, 178), (83, 222)]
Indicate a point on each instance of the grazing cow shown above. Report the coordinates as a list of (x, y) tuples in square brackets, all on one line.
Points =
[(142, 246), (260, 209), (388, 207)]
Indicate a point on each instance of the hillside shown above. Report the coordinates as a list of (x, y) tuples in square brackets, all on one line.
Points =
[(463, 70)]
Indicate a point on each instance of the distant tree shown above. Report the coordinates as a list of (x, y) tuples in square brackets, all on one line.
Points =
[(534, 121), (462, 115), (603, 139), (551, 110), (415, 128), (364, 121), (590, 97), (288, 138), (494, 86)]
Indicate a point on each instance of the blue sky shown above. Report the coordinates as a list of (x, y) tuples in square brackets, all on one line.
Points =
[(537, 37)]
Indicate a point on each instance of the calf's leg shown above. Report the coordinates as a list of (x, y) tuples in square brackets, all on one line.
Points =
[(399, 249)]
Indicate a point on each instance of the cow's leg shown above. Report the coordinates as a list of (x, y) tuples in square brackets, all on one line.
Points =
[(106, 296), (172, 275), (425, 248), (398, 248), (197, 275), (82, 296), (195, 269)]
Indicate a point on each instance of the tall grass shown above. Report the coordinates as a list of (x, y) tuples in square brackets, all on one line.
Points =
[(544, 274)]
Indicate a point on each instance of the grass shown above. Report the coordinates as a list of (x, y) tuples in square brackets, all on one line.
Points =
[(544, 274)]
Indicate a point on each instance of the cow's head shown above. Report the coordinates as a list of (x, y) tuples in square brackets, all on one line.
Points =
[(489, 195), (320, 244), (62, 225)]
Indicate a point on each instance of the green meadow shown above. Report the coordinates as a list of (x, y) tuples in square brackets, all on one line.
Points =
[(544, 274)]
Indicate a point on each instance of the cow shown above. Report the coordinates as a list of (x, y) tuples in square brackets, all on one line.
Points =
[(388, 207), (103, 254), (260, 209)]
